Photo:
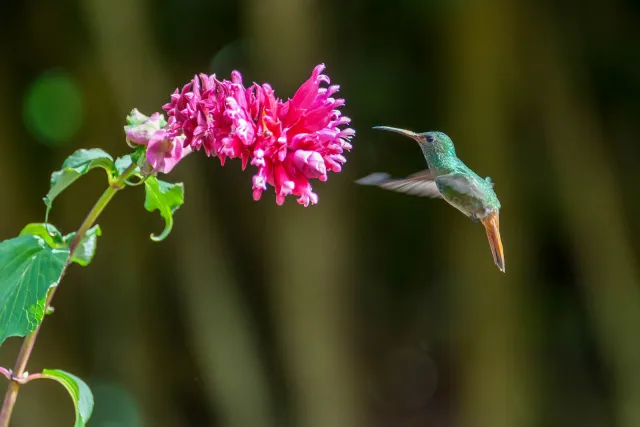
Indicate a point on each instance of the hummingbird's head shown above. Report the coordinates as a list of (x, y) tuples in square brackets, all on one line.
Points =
[(435, 140)]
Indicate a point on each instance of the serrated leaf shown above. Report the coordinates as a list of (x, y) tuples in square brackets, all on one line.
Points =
[(87, 248), (166, 198), (29, 267), (78, 390), (47, 232), (76, 165)]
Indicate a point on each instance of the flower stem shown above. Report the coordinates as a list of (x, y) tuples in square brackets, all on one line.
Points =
[(20, 366)]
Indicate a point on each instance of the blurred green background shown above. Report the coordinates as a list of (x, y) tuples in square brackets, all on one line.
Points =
[(372, 308)]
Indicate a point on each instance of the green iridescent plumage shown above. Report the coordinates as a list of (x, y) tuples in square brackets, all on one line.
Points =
[(448, 178), (458, 184)]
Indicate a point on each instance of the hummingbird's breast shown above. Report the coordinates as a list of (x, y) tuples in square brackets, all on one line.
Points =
[(469, 204), (466, 191), (460, 186)]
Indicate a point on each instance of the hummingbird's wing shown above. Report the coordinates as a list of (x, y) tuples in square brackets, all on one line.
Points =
[(462, 184), (418, 184)]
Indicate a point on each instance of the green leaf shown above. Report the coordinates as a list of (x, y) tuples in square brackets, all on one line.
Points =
[(136, 118), (29, 267), (76, 165), (123, 163), (47, 232), (79, 391), (84, 252), (137, 156), (166, 198), (87, 248)]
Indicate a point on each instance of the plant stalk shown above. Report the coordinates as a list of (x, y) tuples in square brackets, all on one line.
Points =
[(20, 366)]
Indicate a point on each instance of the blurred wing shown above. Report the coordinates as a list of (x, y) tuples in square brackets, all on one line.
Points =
[(419, 184), (461, 184), (424, 175)]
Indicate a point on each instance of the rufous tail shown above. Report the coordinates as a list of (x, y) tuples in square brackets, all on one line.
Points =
[(492, 224)]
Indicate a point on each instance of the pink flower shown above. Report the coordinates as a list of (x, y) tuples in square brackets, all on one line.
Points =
[(289, 142), (140, 128), (300, 139), (163, 151), (214, 115), (310, 163)]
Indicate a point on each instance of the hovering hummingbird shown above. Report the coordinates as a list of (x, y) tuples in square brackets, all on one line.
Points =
[(450, 179)]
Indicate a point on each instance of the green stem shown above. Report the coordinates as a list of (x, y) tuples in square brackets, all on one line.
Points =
[(27, 345)]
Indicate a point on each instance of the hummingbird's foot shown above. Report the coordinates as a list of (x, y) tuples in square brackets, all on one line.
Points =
[(474, 218)]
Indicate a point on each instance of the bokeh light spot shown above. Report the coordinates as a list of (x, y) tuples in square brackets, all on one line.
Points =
[(53, 108)]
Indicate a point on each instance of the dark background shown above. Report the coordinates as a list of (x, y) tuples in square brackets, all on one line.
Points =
[(372, 308)]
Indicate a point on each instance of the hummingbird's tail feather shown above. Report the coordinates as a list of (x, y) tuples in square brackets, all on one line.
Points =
[(492, 224)]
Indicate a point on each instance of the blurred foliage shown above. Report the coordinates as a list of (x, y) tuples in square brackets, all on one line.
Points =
[(371, 308)]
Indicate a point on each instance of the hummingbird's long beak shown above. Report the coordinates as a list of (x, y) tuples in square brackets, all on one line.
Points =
[(408, 133)]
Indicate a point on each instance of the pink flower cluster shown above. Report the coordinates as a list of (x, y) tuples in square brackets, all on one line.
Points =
[(289, 142)]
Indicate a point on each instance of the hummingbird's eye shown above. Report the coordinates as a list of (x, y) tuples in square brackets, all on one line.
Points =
[(430, 138)]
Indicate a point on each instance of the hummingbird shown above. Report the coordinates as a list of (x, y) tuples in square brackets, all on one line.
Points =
[(448, 178)]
